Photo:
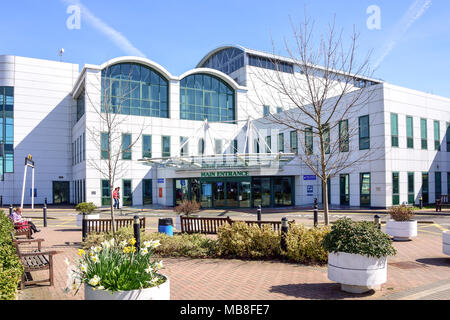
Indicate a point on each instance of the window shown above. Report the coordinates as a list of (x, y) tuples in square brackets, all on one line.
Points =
[(364, 133), (448, 183), (204, 96), (269, 144), (184, 146), (423, 134), (409, 133), (227, 60), (437, 185), (343, 136), (6, 130), (256, 146), (104, 145), (309, 141), (235, 146), (425, 189), (134, 89), (272, 64), (266, 110), (394, 130), (437, 136), (165, 146), (146, 146), (448, 137), (279, 109), (126, 146), (84, 146), (80, 106), (106, 193), (147, 192), (294, 142), (127, 193), (281, 142), (326, 136), (364, 184), (395, 188), (411, 195)]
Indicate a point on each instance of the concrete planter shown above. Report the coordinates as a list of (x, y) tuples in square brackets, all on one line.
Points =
[(357, 273), (155, 293), (88, 216), (446, 242), (401, 230)]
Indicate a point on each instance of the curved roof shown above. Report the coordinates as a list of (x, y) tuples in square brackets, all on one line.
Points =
[(139, 60), (219, 74), (214, 51)]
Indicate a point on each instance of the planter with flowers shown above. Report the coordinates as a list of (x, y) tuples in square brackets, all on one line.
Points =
[(186, 208), (402, 227), (87, 207), (118, 271), (357, 255)]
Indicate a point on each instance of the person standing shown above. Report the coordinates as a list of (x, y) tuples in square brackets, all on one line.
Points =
[(116, 197)]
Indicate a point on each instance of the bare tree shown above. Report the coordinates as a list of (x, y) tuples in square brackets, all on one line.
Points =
[(113, 113), (320, 95)]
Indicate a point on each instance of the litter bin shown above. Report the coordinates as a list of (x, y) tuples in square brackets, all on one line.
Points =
[(165, 225)]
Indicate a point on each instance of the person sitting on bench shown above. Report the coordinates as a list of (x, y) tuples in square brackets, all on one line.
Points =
[(16, 217)]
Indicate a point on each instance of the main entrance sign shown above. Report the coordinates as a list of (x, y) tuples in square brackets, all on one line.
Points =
[(225, 174)]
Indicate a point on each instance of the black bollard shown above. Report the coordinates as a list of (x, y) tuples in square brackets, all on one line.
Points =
[(1, 201), (10, 209), (137, 233), (377, 221), (45, 201), (258, 213), (84, 227), (284, 231), (45, 215), (316, 214), (421, 203)]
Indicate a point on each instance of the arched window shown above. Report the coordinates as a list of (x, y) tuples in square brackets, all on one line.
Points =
[(134, 89), (203, 96)]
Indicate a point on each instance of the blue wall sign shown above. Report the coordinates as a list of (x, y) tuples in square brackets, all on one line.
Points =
[(309, 177), (161, 180)]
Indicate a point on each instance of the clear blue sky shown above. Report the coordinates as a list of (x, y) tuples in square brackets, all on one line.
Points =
[(177, 34)]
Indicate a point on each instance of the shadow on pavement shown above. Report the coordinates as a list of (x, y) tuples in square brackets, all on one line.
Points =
[(440, 262), (319, 291), (69, 230)]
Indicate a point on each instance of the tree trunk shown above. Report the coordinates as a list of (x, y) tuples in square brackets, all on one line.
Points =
[(325, 201)]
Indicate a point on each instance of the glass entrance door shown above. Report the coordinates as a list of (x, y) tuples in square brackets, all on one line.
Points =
[(219, 194), (245, 194), (232, 194), (344, 186), (61, 191)]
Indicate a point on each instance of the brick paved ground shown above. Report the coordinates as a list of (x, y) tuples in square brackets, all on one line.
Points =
[(419, 266)]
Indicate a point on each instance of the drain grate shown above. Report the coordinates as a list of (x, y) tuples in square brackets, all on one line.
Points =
[(408, 265)]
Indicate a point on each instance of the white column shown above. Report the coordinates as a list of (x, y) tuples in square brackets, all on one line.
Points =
[(32, 188), (23, 186)]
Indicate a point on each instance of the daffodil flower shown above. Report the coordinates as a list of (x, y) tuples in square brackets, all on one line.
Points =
[(83, 268), (81, 252), (132, 241), (95, 259), (94, 281)]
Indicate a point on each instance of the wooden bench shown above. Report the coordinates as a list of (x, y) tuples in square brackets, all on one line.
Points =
[(442, 202), (211, 225), (105, 225), (22, 230), (35, 260)]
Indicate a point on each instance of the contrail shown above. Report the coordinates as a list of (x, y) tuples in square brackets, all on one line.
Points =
[(115, 36), (414, 12)]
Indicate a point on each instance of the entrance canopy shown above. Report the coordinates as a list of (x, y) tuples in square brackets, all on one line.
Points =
[(223, 161)]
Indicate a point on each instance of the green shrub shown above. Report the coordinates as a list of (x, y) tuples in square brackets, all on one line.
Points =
[(305, 245), (401, 213), (358, 237), (11, 268), (87, 207), (183, 245), (243, 241)]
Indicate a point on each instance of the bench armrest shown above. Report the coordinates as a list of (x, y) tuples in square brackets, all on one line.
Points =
[(28, 241), (31, 254)]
